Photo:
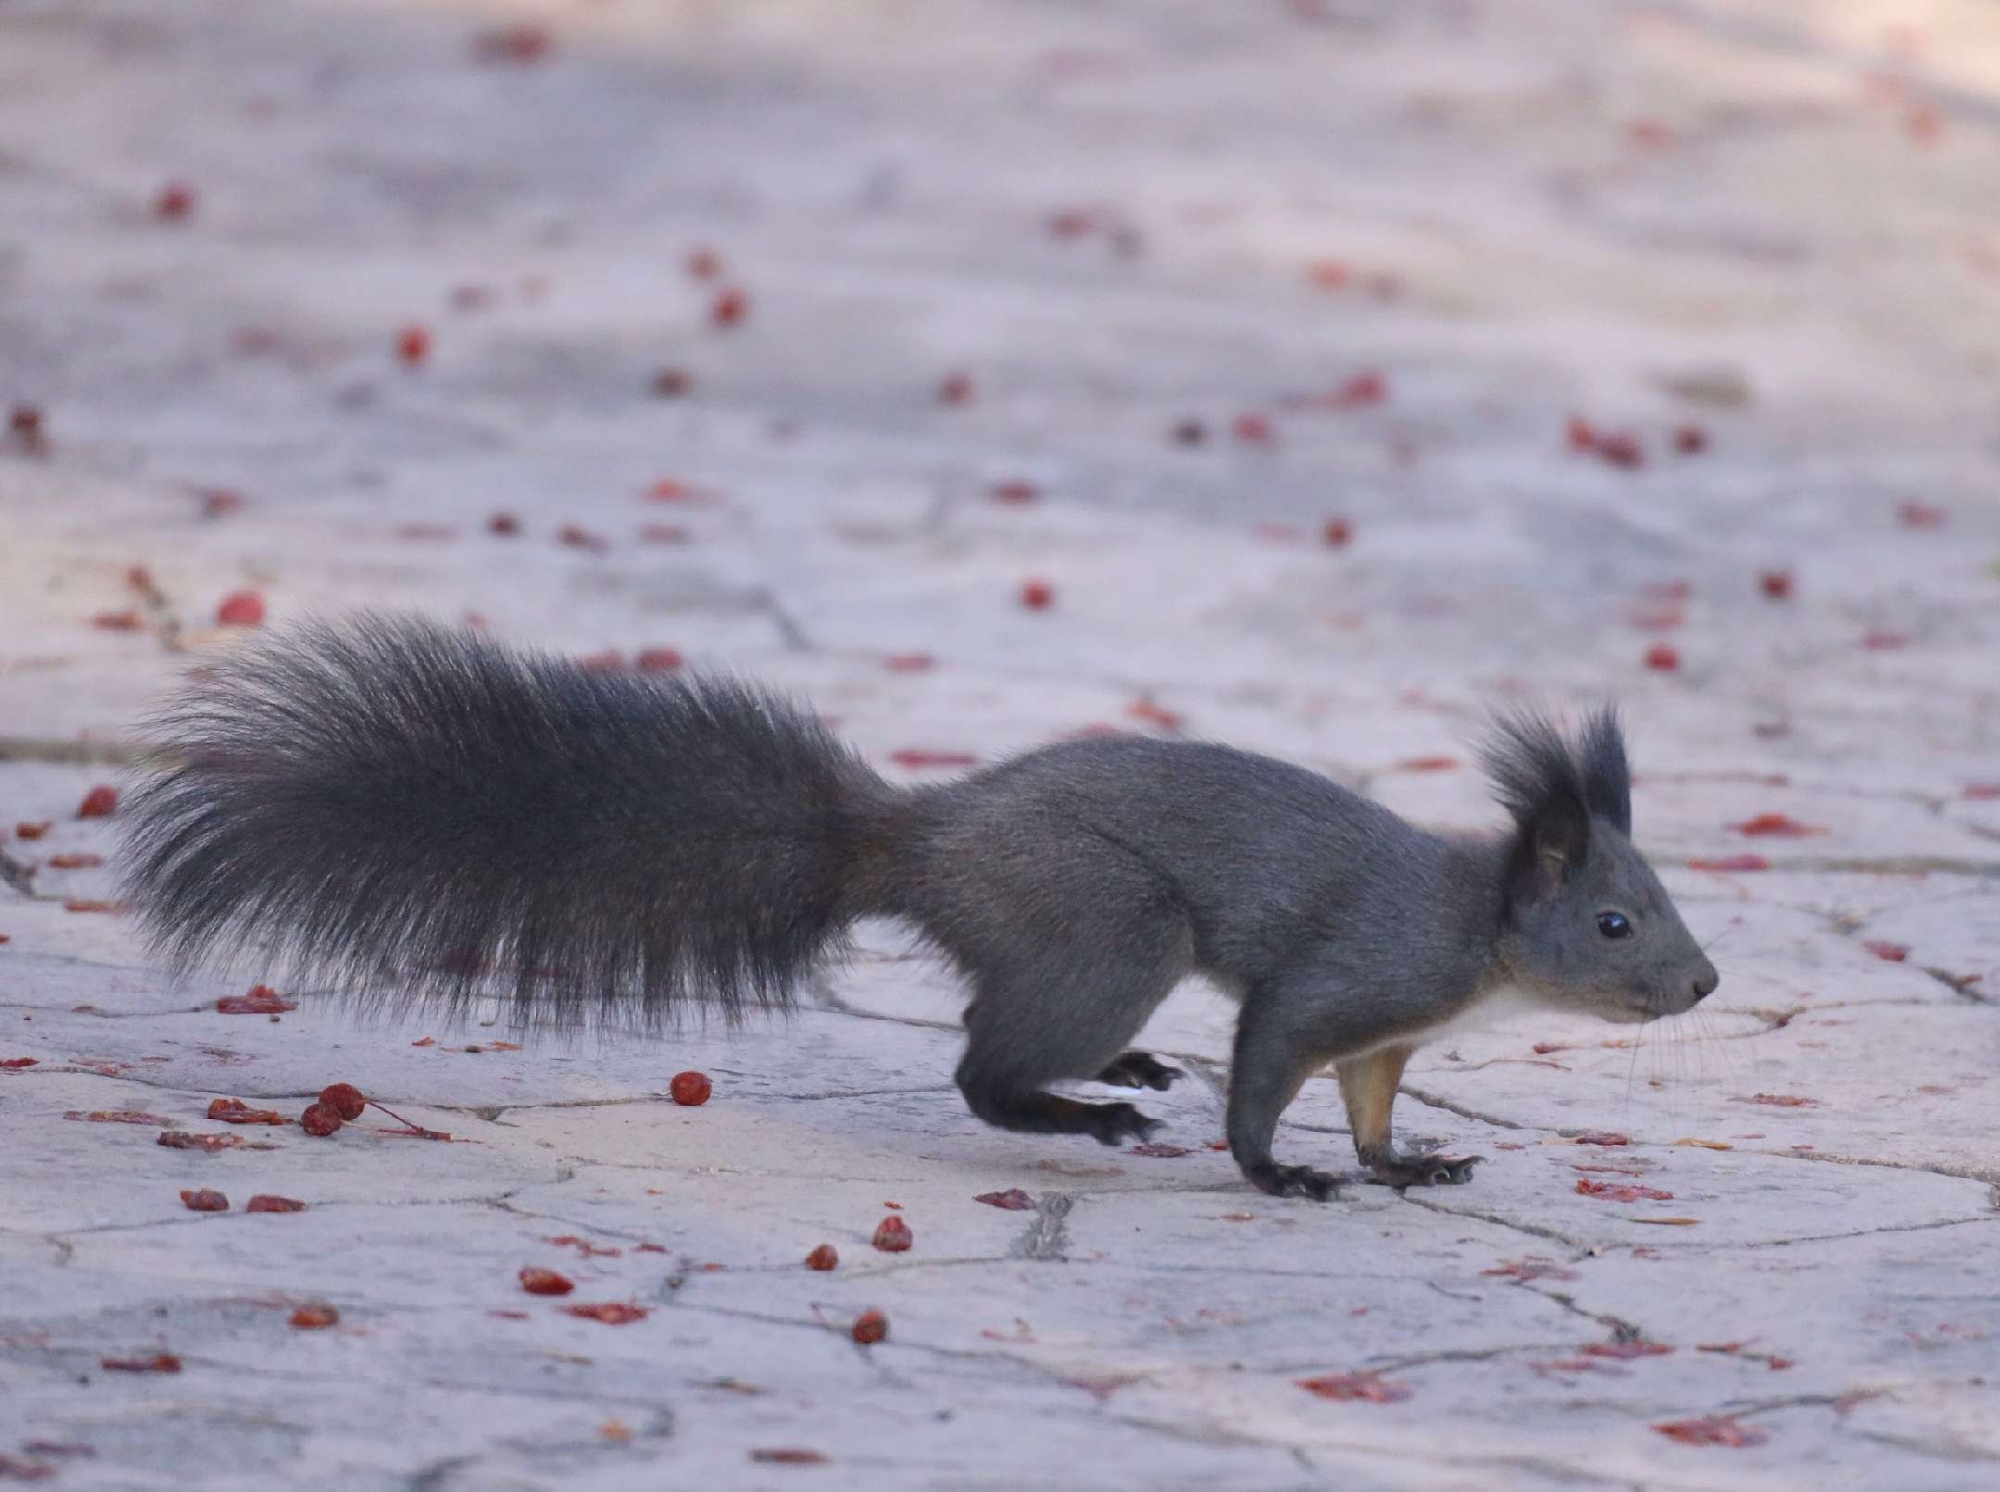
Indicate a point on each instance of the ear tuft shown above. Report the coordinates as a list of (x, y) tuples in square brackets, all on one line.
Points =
[(1536, 779), (1607, 780)]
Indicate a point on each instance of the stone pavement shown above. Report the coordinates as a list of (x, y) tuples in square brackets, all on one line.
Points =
[(1214, 277)]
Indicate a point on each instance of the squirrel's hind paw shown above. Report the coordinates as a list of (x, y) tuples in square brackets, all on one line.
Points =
[(1115, 1123), (1294, 1181)]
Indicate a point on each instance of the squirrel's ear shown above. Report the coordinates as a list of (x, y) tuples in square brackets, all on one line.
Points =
[(1549, 847), (1607, 780), (1537, 780)]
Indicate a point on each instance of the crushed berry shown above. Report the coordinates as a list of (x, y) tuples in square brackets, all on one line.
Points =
[(315, 1317), (266, 1202), (241, 609), (545, 1282)]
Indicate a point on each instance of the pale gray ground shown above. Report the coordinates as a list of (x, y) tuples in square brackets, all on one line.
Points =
[(1774, 220)]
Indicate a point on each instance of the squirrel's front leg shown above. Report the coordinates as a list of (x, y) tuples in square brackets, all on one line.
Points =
[(1368, 1084), (1268, 1069)]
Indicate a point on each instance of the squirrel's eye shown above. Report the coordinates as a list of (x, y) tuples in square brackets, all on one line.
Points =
[(1614, 925)]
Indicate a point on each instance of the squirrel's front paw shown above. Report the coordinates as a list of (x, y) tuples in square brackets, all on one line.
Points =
[(1294, 1181), (1424, 1170)]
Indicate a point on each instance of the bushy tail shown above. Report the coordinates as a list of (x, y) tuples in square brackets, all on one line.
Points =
[(397, 809)]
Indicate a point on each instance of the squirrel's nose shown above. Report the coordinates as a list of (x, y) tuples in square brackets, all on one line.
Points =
[(1706, 981)]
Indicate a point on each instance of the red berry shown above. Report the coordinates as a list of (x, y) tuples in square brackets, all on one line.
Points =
[(870, 1327), (413, 345), (98, 803), (955, 388), (823, 1258), (729, 307), (1337, 533), (241, 609), (546, 1282), (1329, 274), (504, 524), (1777, 584), (344, 1099), (690, 1089), (892, 1235), (1663, 657), (1037, 595), (704, 264), (176, 201), (320, 1120), (1622, 449), (1690, 440)]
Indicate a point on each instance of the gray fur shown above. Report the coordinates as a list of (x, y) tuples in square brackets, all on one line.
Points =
[(415, 811)]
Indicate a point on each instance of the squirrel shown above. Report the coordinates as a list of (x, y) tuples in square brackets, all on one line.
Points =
[(421, 814)]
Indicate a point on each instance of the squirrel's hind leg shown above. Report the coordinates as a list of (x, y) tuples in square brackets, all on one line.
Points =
[(1066, 1008)]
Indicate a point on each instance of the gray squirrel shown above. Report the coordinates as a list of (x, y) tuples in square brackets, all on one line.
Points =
[(421, 814)]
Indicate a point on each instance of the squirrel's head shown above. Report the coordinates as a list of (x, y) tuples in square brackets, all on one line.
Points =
[(1588, 926)]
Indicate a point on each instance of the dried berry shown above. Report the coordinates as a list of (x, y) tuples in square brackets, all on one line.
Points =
[(1731, 862), (266, 1202), (1776, 584), (823, 1258), (1622, 449), (36, 831), (1011, 1200), (704, 264), (870, 1327), (1159, 1151), (315, 1317), (1190, 432), (24, 423), (545, 1282), (614, 1313), (159, 1362), (117, 621), (786, 1455), (219, 502), (892, 1235), (236, 1111), (917, 759), (729, 307), (1037, 595), (658, 660), (1775, 826), (1893, 953), (1014, 491), (204, 1201), (690, 1089), (175, 201), (520, 43), (1337, 533), (98, 803), (74, 862), (909, 662), (344, 1099), (1614, 1192), (261, 1000), (955, 388), (21, 1063), (1690, 440), (1663, 657), (504, 525), (1253, 429), (320, 1120), (671, 383), (1714, 1429), (1356, 1388), (413, 346), (241, 609)]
